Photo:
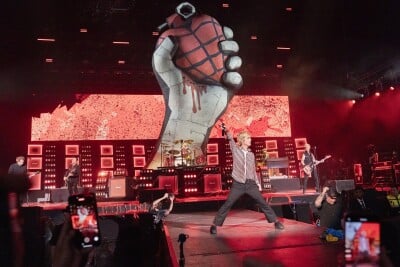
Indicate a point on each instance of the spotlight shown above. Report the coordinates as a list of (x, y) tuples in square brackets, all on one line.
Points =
[(361, 95), (377, 94), (353, 101), (391, 88)]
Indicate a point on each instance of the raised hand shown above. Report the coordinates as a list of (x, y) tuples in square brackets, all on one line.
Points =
[(195, 63)]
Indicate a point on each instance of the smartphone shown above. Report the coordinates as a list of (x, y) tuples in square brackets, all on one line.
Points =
[(85, 219), (362, 240)]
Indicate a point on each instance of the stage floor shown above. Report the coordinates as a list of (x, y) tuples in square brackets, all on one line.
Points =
[(247, 239)]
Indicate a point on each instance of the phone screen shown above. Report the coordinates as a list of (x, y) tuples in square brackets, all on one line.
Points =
[(84, 218), (362, 241)]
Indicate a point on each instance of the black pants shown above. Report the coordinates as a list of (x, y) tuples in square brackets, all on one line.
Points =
[(72, 184), (239, 189), (316, 178)]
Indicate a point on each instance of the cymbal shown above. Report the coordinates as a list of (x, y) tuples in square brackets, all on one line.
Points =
[(173, 152)]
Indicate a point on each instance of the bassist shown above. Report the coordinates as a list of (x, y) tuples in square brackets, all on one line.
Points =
[(72, 176)]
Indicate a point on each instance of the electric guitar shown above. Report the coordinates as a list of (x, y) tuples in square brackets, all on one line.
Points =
[(33, 174), (309, 167)]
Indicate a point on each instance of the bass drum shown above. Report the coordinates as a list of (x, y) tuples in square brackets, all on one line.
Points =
[(180, 161), (200, 160)]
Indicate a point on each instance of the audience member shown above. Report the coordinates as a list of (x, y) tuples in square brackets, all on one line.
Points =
[(393, 199), (358, 202)]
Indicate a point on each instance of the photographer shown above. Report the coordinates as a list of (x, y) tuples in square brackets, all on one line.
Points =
[(330, 208)]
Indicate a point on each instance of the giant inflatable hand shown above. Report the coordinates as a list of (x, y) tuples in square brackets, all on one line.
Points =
[(196, 65)]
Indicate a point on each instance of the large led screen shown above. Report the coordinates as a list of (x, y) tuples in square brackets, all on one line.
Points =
[(129, 117)]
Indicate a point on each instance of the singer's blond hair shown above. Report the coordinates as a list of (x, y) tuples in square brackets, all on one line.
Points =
[(241, 136)]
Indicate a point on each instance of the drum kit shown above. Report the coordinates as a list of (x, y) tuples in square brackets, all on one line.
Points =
[(183, 155)]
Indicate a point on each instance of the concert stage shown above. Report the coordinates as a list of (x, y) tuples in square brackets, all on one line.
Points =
[(185, 204), (246, 239)]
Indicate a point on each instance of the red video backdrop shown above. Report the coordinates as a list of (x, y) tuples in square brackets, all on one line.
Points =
[(131, 117)]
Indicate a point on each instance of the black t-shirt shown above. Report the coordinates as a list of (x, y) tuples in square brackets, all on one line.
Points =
[(331, 215), (17, 170), (308, 158), (73, 172)]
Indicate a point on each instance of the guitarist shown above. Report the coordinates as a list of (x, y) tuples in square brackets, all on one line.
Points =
[(72, 176), (308, 161)]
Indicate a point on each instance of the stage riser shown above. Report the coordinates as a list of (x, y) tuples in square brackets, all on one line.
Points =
[(55, 195)]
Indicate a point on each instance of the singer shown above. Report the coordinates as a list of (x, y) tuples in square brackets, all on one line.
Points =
[(245, 181)]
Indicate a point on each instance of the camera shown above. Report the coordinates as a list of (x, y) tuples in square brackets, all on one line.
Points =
[(84, 219)]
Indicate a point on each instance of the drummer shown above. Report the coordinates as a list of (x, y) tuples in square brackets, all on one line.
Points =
[(186, 151)]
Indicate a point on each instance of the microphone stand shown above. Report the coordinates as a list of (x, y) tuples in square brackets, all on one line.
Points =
[(181, 239)]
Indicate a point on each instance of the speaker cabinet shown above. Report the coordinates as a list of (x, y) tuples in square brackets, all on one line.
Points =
[(212, 183), (117, 187), (295, 211), (149, 195), (286, 184), (59, 195), (169, 183), (344, 185)]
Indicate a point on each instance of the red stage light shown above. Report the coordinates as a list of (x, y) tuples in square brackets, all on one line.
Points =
[(225, 5), (282, 48), (289, 9), (279, 66), (83, 30), (49, 60), (377, 94), (155, 33), (253, 37), (353, 101), (121, 62), (391, 88)]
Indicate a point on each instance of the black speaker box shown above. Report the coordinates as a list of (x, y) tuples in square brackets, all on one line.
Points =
[(344, 185), (149, 195), (286, 184), (294, 211), (59, 195)]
